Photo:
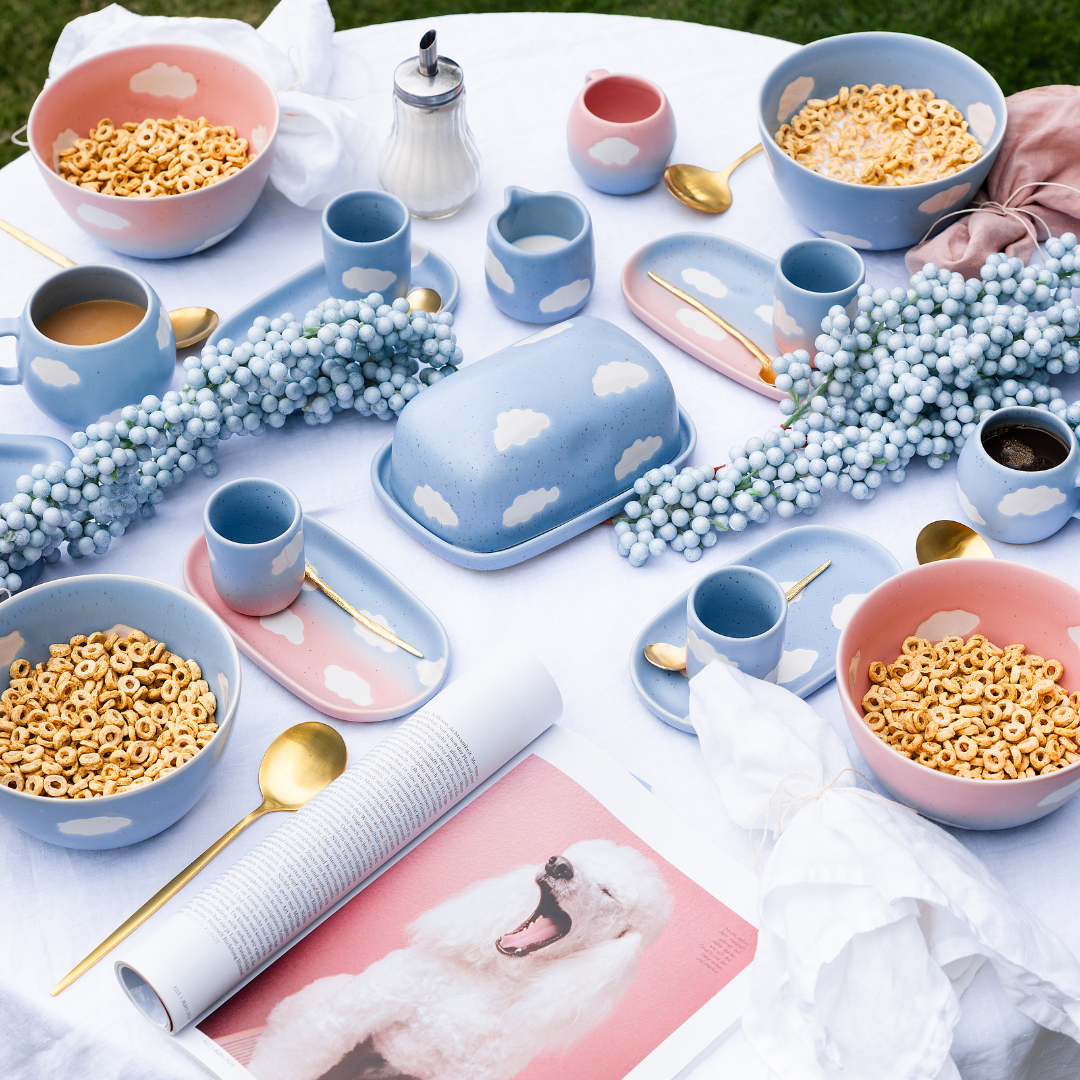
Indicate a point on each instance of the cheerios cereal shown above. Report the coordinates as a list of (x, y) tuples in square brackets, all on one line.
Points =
[(880, 135), (105, 713), (973, 709), (155, 157)]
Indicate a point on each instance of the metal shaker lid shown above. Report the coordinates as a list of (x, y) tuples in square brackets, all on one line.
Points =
[(428, 80)]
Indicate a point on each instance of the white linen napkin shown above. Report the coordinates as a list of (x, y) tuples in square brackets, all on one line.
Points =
[(324, 147), (873, 919)]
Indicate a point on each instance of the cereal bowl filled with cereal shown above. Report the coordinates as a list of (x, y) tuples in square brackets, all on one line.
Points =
[(874, 137), (960, 682), (118, 699), (156, 150)]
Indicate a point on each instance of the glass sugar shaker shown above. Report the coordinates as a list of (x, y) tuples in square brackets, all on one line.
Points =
[(430, 160)]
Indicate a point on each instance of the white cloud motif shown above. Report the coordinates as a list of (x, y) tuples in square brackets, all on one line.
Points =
[(10, 644), (289, 554), (544, 334), (842, 612), (164, 329), (517, 427), (289, 625), (347, 684), (784, 322), (368, 279), (259, 137), (370, 636), (434, 505), (703, 652), (843, 238), (617, 376), (101, 218), (64, 141), (982, 120), (614, 151), (528, 505), (1074, 633), (430, 671), (942, 624), (566, 296), (944, 199), (793, 664), (93, 826), (54, 372), (764, 312), (419, 254), (968, 506), (705, 282), (1061, 794), (702, 325), (161, 80), (637, 454), (497, 272), (215, 239), (1031, 501), (795, 93)]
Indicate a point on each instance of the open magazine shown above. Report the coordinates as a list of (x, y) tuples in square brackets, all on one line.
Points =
[(555, 917)]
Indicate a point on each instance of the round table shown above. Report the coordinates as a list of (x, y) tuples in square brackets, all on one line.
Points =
[(578, 607)]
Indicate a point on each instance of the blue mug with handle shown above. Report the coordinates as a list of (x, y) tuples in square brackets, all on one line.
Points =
[(78, 384)]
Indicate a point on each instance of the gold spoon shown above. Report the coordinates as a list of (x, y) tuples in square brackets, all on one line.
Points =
[(703, 190), (670, 657), (950, 540), (424, 300), (360, 617), (297, 765), (190, 325), (766, 374)]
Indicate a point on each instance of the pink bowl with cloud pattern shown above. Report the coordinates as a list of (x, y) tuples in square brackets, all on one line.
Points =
[(1008, 603)]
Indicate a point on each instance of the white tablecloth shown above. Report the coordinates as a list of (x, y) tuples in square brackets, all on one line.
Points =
[(578, 607)]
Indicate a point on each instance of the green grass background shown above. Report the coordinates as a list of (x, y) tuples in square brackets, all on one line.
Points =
[(1022, 43)]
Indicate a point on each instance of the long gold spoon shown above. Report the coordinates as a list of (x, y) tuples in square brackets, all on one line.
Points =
[(950, 540), (703, 190), (766, 374), (297, 765), (670, 657), (190, 325), (359, 616)]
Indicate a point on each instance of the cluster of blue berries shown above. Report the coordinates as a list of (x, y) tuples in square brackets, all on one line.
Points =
[(909, 377), (364, 355)]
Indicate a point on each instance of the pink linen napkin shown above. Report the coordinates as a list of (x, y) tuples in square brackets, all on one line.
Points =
[(1042, 142)]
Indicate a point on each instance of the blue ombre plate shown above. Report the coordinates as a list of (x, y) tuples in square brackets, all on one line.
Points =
[(527, 549), (734, 281), (815, 617), (308, 289)]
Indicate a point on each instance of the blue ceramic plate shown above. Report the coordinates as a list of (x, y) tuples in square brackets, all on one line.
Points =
[(319, 652), (18, 455), (734, 281), (815, 617), (308, 288), (536, 545)]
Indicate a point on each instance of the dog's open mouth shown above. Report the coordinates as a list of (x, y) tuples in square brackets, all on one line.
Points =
[(546, 925)]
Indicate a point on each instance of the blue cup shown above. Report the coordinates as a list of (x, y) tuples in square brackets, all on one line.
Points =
[(736, 615), (79, 384), (539, 262), (810, 278), (1012, 505), (367, 245), (255, 538)]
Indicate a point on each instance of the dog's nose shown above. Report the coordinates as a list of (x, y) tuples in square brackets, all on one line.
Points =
[(558, 867)]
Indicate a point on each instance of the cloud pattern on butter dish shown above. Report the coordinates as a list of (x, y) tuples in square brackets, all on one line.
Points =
[(636, 455), (1031, 501), (547, 332), (528, 505), (434, 505), (617, 376), (517, 427), (614, 151)]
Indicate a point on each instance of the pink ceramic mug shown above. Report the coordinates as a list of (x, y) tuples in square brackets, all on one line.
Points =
[(620, 133)]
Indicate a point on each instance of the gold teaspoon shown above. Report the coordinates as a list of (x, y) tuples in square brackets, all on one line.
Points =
[(190, 325), (766, 373), (670, 657), (297, 765), (424, 300), (703, 190), (950, 540)]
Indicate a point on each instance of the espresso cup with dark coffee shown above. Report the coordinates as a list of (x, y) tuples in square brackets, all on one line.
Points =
[(1017, 475)]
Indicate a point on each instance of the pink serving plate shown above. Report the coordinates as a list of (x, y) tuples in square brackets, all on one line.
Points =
[(319, 652)]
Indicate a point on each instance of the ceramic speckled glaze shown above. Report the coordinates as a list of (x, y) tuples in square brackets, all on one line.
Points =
[(734, 281), (1008, 603), (255, 535), (538, 286), (534, 435), (36, 618), (323, 655), (367, 245), (736, 615), (814, 620), (151, 81), (620, 133), (1010, 504), (78, 384), (811, 277), (862, 215)]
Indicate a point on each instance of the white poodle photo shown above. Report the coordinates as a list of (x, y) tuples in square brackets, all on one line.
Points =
[(484, 986)]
